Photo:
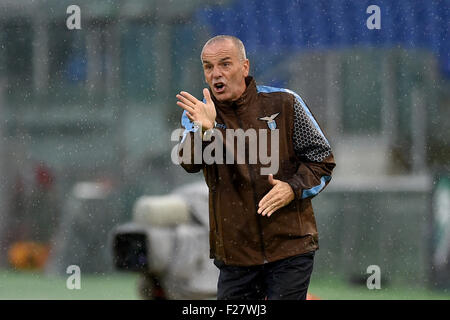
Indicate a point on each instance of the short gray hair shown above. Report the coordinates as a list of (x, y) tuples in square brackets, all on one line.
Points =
[(237, 42)]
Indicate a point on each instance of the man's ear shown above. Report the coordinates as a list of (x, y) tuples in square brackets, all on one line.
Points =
[(246, 67)]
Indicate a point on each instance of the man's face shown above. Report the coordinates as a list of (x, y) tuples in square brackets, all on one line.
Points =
[(224, 71)]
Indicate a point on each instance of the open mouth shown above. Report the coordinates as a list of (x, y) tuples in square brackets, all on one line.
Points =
[(219, 87)]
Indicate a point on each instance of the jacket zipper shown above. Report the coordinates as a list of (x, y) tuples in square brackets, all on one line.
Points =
[(252, 182), (214, 191)]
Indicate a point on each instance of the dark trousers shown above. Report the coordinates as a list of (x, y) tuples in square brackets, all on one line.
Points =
[(286, 279)]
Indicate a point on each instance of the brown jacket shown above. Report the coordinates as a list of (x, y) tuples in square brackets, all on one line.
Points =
[(238, 234)]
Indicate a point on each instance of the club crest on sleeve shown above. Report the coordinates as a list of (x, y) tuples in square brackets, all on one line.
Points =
[(271, 121)]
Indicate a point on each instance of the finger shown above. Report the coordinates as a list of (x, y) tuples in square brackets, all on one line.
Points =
[(207, 95), (276, 202), (270, 208), (273, 211), (190, 97), (185, 101), (190, 116), (268, 204), (272, 181), (265, 201), (185, 107), (279, 204), (266, 210), (268, 196)]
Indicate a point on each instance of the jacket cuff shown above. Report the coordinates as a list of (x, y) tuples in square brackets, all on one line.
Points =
[(295, 184)]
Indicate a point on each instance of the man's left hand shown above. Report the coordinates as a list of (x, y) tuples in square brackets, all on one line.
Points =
[(279, 196)]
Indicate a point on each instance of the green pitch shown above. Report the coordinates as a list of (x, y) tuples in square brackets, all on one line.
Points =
[(335, 288), (28, 285)]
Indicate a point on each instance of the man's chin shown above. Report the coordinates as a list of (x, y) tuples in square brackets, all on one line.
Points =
[(222, 96)]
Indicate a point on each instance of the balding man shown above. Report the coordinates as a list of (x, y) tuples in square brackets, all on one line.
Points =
[(263, 234)]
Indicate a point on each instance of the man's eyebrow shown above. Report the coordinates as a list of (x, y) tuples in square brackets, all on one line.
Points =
[(221, 60)]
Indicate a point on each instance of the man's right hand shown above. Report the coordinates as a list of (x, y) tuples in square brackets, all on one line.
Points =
[(198, 112)]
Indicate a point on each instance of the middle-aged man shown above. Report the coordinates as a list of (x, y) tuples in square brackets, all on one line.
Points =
[(263, 233)]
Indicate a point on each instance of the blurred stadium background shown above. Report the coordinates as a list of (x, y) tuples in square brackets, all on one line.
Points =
[(86, 118)]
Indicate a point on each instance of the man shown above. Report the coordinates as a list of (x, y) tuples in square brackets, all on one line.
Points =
[(263, 234)]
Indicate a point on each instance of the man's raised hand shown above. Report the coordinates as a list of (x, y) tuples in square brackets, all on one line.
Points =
[(198, 112)]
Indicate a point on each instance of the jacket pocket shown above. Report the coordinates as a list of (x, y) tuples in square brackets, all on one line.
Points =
[(306, 217)]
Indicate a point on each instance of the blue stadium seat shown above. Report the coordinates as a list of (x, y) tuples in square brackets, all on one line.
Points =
[(289, 25)]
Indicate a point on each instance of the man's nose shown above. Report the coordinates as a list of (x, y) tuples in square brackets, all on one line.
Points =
[(216, 73)]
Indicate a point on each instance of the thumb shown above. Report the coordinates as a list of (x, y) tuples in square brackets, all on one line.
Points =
[(207, 95), (272, 181)]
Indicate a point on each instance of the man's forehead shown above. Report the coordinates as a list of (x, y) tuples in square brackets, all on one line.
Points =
[(220, 50)]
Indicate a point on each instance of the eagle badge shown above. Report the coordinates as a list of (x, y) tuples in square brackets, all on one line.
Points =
[(271, 121)]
